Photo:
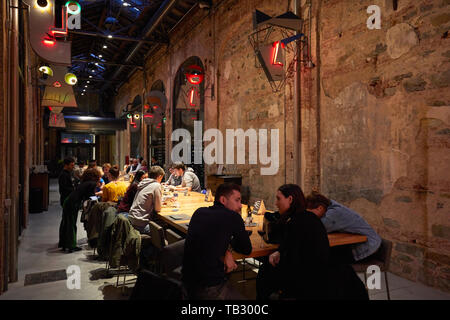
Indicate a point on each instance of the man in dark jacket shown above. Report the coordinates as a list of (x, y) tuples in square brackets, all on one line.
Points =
[(211, 232), (66, 180)]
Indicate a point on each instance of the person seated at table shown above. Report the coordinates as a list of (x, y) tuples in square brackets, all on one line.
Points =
[(144, 166), (338, 218), (212, 232), (300, 268), (114, 189), (173, 179), (134, 167), (189, 180), (147, 201), (105, 176), (127, 201)]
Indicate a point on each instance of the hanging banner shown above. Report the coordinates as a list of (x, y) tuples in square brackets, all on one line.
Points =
[(45, 37), (58, 87), (56, 120)]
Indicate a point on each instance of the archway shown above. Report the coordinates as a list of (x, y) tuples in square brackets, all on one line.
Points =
[(188, 104), (156, 142)]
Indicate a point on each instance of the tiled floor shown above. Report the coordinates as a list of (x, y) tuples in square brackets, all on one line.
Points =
[(38, 252)]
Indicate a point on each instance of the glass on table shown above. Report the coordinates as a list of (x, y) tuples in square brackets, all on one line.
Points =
[(262, 232)]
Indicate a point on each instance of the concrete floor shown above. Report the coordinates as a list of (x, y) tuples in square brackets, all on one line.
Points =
[(38, 252)]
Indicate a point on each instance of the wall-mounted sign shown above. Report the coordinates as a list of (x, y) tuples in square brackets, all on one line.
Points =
[(135, 121), (58, 87), (154, 108), (56, 120), (45, 36)]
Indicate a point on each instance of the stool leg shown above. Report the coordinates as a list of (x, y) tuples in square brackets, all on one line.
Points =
[(387, 286)]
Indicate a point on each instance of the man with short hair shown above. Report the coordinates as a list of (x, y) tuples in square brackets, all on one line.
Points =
[(212, 231), (173, 179), (189, 178), (66, 180), (338, 218), (147, 201)]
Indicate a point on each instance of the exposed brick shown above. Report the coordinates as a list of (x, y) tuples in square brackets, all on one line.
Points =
[(441, 231), (438, 258), (391, 223), (403, 199), (410, 249), (415, 84), (441, 80)]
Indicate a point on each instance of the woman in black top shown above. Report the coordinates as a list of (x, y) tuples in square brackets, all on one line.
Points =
[(301, 267), (68, 227), (128, 198)]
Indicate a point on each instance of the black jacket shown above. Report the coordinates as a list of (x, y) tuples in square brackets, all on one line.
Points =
[(210, 232), (305, 267), (66, 185)]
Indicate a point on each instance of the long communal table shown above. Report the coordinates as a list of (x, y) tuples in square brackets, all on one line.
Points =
[(179, 218)]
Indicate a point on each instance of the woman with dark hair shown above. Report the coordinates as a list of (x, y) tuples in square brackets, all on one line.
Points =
[(128, 198), (301, 268), (68, 227)]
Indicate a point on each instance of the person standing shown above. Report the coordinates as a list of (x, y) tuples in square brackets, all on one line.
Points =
[(68, 226), (212, 232), (66, 180)]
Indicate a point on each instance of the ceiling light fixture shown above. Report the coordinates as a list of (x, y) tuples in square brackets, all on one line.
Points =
[(109, 36), (105, 46)]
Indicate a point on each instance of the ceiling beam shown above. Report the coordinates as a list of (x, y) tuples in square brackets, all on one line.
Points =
[(148, 30), (115, 37), (107, 63)]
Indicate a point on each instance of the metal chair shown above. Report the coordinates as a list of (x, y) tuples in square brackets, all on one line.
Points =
[(381, 258), (172, 237)]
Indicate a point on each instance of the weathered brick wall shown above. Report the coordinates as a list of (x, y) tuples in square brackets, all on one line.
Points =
[(384, 126), (374, 113), (242, 97)]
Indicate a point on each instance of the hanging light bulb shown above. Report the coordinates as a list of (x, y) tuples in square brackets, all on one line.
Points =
[(46, 70), (42, 3), (70, 79)]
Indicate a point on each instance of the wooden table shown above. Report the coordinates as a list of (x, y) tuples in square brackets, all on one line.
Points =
[(195, 200)]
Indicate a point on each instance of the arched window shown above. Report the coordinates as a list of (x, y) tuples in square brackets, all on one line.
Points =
[(156, 141), (135, 135), (188, 104)]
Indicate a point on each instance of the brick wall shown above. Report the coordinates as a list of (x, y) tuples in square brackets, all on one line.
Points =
[(374, 113)]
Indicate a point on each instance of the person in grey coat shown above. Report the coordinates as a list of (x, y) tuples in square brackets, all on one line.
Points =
[(147, 201), (338, 218)]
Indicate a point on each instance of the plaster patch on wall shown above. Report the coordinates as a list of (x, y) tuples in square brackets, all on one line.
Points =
[(227, 70), (400, 39)]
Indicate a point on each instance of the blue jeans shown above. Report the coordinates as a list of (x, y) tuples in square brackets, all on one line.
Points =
[(143, 230)]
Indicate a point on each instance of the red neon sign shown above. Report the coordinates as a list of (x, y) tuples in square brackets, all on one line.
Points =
[(56, 84), (61, 31), (276, 48), (191, 98), (49, 42), (196, 75)]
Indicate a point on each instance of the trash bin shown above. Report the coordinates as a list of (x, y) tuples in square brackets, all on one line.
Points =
[(36, 200)]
